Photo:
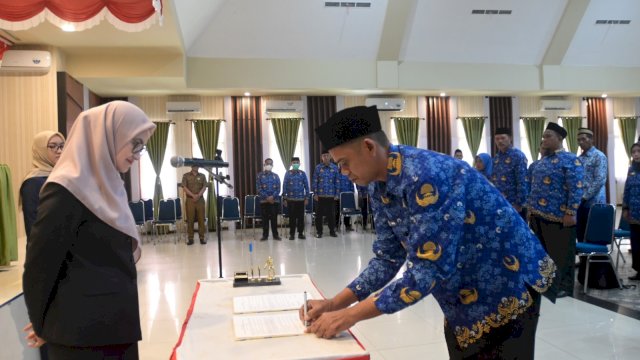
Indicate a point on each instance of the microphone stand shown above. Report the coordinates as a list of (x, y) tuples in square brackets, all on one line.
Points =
[(216, 177)]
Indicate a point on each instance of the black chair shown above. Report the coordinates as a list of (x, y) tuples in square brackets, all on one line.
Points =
[(250, 211), (598, 239), (137, 210), (148, 213)]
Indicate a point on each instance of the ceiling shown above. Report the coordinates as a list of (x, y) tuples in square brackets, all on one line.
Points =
[(227, 47)]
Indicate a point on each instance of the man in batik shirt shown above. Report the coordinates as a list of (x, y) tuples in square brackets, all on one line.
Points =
[(268, 186), (556, 190), (325, 186), (595, 177), (459, 238), (295, 190), (510, 171)]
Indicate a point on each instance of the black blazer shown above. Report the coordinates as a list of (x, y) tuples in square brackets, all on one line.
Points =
[(79, 276)]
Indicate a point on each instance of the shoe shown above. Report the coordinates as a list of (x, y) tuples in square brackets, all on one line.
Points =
[(301, 237), (635, 277), (277, 238), (264, 238), (291, 237), (203, 242), (349, 228), (333, 234), (190, 242), (318, 236)]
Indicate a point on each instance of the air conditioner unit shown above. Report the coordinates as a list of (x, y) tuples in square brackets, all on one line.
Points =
[(183, 106), (275, 106), (386, 104), (554, 104), (26, 60)]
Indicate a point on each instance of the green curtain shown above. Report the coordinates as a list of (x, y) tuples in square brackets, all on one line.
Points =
[(534, 126), (286, 132), (628, 130), (8, 227), (407, 130), (473, 127), (572, 124), (156, 147), (207, 134)]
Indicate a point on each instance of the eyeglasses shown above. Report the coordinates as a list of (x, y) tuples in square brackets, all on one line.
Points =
[(55, 147), (138, 146)]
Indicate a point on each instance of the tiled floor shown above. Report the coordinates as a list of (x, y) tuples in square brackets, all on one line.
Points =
[(570, 329)]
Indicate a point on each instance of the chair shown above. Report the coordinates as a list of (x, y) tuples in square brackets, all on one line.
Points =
[(348, 207), (137, 210), (620, 234), (231, 210), (308, 210), (166, 216), (179, 217), (250, 211), (598, 239), (148, 213), (284, 212)]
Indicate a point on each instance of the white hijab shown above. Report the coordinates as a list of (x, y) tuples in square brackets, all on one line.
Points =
[(87, 166)]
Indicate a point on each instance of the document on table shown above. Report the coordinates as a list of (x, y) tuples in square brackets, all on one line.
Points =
[(264, 303), (257, 326)]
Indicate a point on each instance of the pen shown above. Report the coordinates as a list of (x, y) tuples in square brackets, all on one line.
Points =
[(306, 323)]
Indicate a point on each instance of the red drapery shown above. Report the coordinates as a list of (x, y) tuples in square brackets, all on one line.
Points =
[(438, 125), (127, 15)]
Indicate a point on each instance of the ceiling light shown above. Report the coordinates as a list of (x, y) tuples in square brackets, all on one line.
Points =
[(247, 94), (604, 95), (443, 94), (68, 27)]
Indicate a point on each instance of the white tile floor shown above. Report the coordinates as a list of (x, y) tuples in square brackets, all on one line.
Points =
[(570, 329)]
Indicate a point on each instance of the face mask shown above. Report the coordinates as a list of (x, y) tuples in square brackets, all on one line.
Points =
[(268, 167), (296, 166)]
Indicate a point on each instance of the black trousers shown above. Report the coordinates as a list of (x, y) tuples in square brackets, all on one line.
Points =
[(107, 352), (583, 216), (326, 209), (635, 246), (560, 243), (363, 203), (269, 215), (515, 340), (296, 216)]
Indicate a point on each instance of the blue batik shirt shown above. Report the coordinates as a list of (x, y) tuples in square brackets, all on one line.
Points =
[(631, 197), (509, 175), (594, 163), (460, 239), (346, 184), (268, 184), (325, 180), (295, 185), (556, 186)]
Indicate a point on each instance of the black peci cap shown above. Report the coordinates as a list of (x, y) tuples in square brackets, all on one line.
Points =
[(349, 124)]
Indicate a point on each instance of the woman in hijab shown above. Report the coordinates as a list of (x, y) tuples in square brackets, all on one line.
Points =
[(79, 275), (484, 164), (631, 208), (46, 150)]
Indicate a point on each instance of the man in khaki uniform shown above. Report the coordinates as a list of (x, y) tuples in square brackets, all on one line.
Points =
[(194, 185)]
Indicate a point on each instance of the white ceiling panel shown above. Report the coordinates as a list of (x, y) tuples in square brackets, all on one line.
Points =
[(290, 29), (607, 44), (448, 32)]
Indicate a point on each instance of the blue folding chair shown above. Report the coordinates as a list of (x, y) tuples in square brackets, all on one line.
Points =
[(148, 213), (598, 239), (284, 212), (166, 216), (137, 210), (620, 234), (180, 223), (308, 210), (231, 211), (348, 207)]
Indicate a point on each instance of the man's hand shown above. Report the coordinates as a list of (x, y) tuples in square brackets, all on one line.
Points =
[(625, 214), (284, 202), (331, 323), (315, 197), (306, 201), (569, 220), (518, 208), (33, 340)]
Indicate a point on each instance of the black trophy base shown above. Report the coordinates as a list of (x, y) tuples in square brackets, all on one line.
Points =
[(256, 282)]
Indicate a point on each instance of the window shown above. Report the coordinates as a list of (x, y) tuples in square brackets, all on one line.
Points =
[(621, 161), (222, 145), (167, 173), (274, 153)]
